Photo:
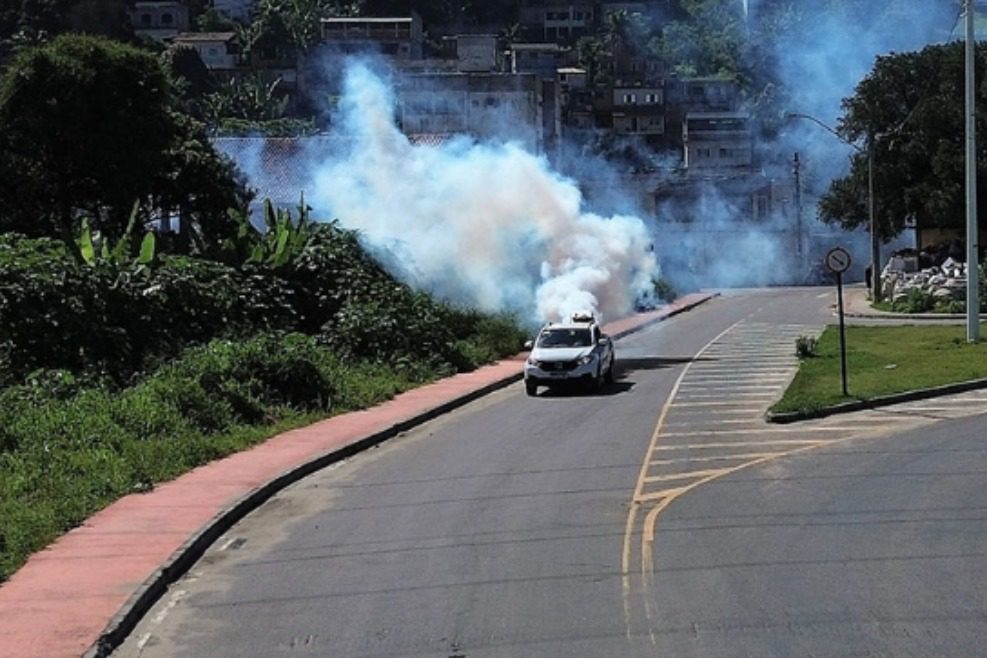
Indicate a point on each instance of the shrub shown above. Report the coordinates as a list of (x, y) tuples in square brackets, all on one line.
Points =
[(916, 301), (805, 347), (228, 382), (953, 306), (664, 290), (65, 455)]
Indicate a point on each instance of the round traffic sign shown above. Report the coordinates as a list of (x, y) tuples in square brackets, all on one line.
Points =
[(838, 260)]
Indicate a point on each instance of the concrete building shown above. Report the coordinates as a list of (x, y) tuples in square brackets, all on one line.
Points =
[(219, 51), (400, 39), (495, 105), (159, 20), (683, 96), (717, 141), (476, 53), (638, 111), (556, 20), (542, 59)]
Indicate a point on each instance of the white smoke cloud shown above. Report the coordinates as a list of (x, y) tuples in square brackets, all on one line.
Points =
[(488, 224)]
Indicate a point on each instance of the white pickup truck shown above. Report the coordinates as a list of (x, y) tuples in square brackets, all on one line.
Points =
[(567, 352)]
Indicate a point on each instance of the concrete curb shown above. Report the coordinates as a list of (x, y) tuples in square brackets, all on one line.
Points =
[(873, 403), (928, 317), (688, 306), (124, 622), (154, 588)]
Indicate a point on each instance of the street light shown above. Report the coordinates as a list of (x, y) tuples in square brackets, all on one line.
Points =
[(875, 244), (972, 251)]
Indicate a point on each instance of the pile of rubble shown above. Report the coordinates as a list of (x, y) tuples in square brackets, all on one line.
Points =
[(946, 282)]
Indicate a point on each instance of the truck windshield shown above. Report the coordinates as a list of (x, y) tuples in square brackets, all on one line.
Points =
[(565, 338)]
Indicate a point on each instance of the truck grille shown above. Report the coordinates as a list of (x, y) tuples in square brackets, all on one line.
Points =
[(557, 366)]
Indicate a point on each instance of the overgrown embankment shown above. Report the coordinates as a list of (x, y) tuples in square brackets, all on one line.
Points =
[(119, 372)]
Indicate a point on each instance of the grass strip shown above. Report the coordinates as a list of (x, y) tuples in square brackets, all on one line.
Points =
[(66, 452), (883, 361)]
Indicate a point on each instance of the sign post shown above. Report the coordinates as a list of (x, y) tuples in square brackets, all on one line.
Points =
[(838, 261)]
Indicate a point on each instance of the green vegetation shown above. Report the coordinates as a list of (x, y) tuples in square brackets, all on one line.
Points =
[(914, 102), (67, 449), (882, 361), (128, 367), (88, 127)]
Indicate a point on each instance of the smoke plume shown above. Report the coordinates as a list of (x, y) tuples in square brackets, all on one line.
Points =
[(487, 224)]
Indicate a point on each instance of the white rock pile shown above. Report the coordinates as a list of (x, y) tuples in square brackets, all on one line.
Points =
[(945, 283)]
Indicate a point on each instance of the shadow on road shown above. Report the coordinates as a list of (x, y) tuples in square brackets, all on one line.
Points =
[(625, 365)]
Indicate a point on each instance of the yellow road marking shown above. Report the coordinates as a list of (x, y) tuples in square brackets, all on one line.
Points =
[(709, 404), (716, 458), (730, 444), (765, 430), (658, 495), (683, 475), (639, 485)]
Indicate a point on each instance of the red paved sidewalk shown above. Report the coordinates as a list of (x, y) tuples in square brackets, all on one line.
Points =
[(80, 594)]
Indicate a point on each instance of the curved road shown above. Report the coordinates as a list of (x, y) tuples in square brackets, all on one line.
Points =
[(866, 548), (522, 526)]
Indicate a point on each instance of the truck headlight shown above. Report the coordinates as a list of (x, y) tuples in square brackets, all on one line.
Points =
[(583, 360)]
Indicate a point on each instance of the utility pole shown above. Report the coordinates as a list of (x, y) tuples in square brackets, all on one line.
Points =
[(796, 171), (972, 251), (875, 242)]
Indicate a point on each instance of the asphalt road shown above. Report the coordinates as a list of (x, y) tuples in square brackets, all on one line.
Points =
[(499, 530), (869, 547)]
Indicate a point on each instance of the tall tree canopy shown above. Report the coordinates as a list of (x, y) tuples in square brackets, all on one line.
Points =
[(707, 40), (88, 127), (910, 106)]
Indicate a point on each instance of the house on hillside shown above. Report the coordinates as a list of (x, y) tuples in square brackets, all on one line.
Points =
[(400, 39), (219, 51), (638, 110), (159, 19), (556, 20), (542, 59), (717, 141), (485, 105)]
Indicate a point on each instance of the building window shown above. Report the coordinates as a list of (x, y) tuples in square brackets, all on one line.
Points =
[(166, 19), (630, 99), (145, 19), (213, 52), (703, 153), (651, 99)]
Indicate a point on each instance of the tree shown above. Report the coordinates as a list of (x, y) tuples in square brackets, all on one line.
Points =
[(88, 126), (910, 107), (190, 78), (709, 41)]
